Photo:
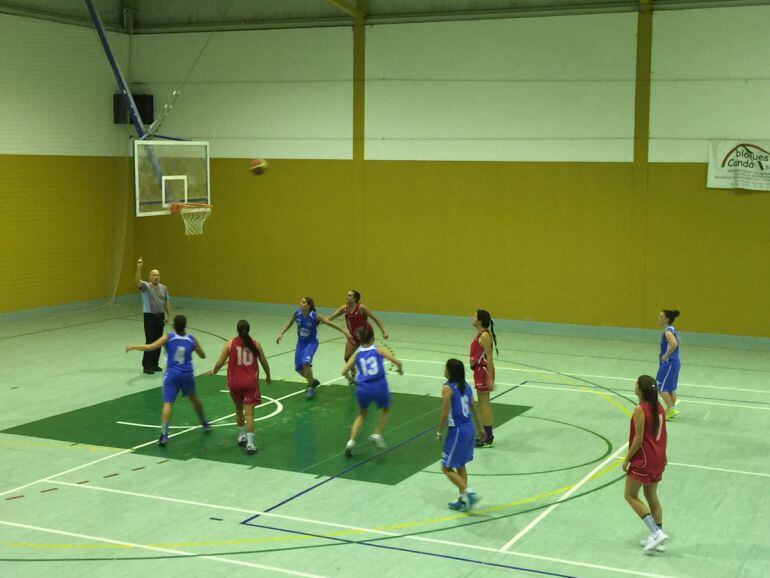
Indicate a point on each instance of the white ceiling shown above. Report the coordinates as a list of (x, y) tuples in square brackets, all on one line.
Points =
[(154, 16)]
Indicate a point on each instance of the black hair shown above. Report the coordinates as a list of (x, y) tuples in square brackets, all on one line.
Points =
[(356, 295), (310, 303), (365, 334), (486, 322), (671, 315), (243, 332), (456, 370), (180, 324), (649, 394)]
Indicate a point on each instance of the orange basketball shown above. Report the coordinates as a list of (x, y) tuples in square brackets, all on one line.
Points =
[(258, 166)]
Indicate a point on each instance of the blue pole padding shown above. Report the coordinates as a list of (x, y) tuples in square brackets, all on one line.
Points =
[(136, 119)]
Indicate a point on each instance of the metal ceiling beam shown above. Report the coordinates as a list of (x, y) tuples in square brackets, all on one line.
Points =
[(347, 8), (50, 16)]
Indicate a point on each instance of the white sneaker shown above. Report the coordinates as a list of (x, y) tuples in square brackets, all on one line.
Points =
[(349, 448), (378, 440), (241, 440), (658, 548), (654, 540)]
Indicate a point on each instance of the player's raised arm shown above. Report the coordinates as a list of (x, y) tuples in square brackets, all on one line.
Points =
[(337, 312), (138, 274), (289, 323), (325, 321), (392, 358), (369, 313), (148, 346)]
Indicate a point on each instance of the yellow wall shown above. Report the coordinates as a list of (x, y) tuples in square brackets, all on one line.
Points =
[(59, 225), (538, 241)]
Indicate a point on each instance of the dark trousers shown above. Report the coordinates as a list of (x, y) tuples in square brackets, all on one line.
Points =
[(153, 330)]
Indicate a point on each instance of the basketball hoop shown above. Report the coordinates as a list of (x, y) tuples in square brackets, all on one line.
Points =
[(193, 215)]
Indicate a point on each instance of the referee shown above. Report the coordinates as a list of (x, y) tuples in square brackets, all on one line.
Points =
[(157, 309)]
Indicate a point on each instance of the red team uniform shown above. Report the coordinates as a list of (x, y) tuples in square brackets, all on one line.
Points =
[(355, 320), (479, 364), (648, 463), (243, 374)]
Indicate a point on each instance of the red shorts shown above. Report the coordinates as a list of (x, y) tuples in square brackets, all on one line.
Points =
[(644, 476), (480, 379), (246, 395)]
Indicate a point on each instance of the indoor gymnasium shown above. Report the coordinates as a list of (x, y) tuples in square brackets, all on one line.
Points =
[(343, 288)]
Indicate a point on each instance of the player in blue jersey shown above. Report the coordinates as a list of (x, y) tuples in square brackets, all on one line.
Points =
[(668, 372), (458, 412), (307, 320), (371, 385), (179, 375)]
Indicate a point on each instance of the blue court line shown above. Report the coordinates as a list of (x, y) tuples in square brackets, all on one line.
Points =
[(354, 466), (410, 551)]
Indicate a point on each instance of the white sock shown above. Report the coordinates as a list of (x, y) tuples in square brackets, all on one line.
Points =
[(651, 524), (250, 438), (351, 443), (164, 428), (241, 430)]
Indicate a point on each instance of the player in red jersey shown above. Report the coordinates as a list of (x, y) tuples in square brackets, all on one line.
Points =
[(356, 316), (483, 367), (646, 460), (241, 354)]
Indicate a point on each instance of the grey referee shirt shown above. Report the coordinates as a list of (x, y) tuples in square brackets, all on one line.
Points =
[(154, 297)]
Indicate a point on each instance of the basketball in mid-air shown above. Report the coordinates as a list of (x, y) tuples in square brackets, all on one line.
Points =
[(258, 166)]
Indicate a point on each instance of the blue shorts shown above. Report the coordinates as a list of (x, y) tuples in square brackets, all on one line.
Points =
[(668, 375), (304, 354), (173, 382), (376, 392), (458, 446)]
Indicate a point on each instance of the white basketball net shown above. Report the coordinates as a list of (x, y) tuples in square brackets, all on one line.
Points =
[(194, 217)]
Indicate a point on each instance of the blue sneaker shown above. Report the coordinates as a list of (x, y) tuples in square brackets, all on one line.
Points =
[(206, 426), (162, 439), (310, 393), (473, 499), (458, 505)]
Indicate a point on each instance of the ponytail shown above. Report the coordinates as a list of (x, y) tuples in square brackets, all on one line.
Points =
[(649, 393), (310, 303), (485, 319), (243, 332), (671, 315)]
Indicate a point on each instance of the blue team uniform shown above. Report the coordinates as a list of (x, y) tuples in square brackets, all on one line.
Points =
[(179, 369), (668, 372), (458, 446), (371, 385), (307, 338)]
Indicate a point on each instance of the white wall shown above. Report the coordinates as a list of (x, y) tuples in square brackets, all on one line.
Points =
[(262, 93), (525, 89), (711, 80), (56, 90)]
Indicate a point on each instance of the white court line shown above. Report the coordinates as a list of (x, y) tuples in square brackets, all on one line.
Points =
[(719, 469), (522, 370), (278, 409), (577, 389), (360, 529), (564, 496), (157, 549), (129, 450)]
